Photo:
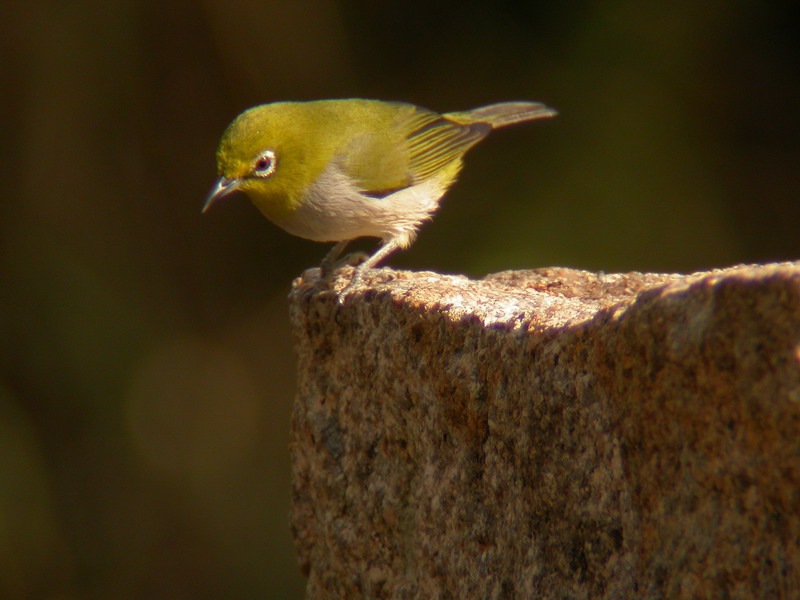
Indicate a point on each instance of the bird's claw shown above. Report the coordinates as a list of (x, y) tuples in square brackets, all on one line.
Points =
[(351, 260), (342, 294)]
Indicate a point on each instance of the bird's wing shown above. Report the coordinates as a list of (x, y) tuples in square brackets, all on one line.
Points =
[(433, 142), (413, 147)]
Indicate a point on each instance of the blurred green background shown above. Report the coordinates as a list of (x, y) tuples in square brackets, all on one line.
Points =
[(147, 377)]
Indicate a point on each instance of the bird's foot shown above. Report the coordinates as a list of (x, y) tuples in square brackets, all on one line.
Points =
[(357, 275), (351, 260)]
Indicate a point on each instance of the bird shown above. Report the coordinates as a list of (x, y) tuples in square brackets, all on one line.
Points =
[(337, 170)]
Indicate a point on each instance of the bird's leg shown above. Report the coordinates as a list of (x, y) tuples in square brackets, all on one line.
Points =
[(329, 261), (385, 250)]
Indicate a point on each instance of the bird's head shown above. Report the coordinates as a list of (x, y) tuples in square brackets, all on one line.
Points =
[(272, 153)]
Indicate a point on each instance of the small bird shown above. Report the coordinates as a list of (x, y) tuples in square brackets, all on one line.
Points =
[(336, 170)]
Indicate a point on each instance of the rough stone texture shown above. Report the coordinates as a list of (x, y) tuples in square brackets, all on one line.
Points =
[(549, 434)]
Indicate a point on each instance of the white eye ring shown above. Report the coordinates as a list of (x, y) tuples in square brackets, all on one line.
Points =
[(265, 164)]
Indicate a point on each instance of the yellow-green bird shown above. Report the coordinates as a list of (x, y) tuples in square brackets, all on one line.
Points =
[(336, 170)]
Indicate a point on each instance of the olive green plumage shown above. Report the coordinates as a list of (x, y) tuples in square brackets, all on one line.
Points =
[(334, 170)]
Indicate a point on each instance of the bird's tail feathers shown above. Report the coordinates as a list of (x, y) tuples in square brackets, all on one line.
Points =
[(504, 113)]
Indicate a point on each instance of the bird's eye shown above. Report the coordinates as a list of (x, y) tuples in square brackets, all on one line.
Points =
[(264, 165)]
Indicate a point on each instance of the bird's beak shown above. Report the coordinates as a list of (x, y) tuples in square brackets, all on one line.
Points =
[(223, 187)]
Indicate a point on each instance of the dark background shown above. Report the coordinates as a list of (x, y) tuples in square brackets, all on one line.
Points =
[(147, 377)]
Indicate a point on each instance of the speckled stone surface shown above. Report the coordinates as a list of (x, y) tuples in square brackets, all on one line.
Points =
[(549, 434)]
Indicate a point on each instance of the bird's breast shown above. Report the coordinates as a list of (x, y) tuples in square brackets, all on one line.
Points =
[(333, 208)]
